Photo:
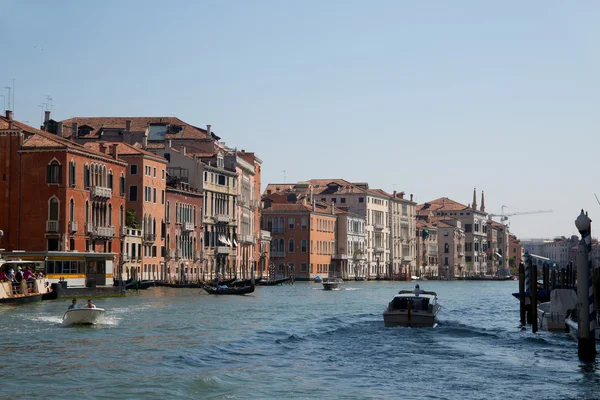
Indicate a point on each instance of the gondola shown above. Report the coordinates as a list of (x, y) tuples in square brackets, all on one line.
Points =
[(138, 285), (274, 282), (241, 283), (231, 290), (190, 285)]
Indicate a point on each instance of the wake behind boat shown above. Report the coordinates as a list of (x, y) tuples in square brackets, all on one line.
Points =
[(415, 309), (82, 316)]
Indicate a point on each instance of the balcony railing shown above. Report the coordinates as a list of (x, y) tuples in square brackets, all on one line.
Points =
[(73, 226), (125, 231), (222, 218), (340, 257), (125, 257), (223, 250), (99, 231), (187, 226), (247, 239), (379, 227), (407, 258), (51, 226), (241, 200), (100, 192), (278, 254), (277, 230), (255, 203), (149, 237), (359, 257), (378, 249), (197, 255)]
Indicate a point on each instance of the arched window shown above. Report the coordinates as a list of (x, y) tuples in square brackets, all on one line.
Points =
[(110, 215), (54, 172), (176, 213), (446, 248), (303, 245), (122, 216), (122, 185), (53, 209), (274, 246), (291, 246), (71, 210), (281, 224), (281, 245), (154, 226), (110, 179), (195, 223), (87, 211)]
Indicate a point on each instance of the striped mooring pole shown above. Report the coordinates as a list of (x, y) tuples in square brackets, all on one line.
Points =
[(585, 290)]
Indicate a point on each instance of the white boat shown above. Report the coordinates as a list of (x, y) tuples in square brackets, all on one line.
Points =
[(332, 283), (552, 314), (572, 324), (416, 309), (78, 316)]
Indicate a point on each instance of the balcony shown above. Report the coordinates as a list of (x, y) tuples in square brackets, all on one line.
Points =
[(73, 226), (125, 257), (378, 249), (407, 259), (255, 203), (247, 239), (99, 231), (379, 227), (197, 256), (461, 254), (277, 254), (187, 226), (149, 237), (51, 226), (265, 236), (223, 250), (125, 231), (177, 254), (101, 193), (221, 218), (241, 200), (340, 257), (359, 257)]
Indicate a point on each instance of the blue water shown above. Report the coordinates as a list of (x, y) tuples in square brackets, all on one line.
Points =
[(289, 342)]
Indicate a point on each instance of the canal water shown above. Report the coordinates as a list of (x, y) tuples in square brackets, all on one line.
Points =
[(289, 342)]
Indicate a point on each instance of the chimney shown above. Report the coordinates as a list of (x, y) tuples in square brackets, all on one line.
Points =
[(170, 144), (115, 152), (46, 116), (208, 132), (482, 202), (128, 125), (394, 194), (474, 205), (145, 142), (74, 128), (411, 197), (314, 206), (9, 115), (332, 208), (183, 150), (102, 148)]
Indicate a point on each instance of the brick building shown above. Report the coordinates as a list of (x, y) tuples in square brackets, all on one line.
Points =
[(59, 196)]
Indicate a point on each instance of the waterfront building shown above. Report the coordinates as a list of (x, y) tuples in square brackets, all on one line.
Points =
[(402, 215), (131, 257), (451, 245), (516, 252), (497, 249), (60, 198), (426, 249), (474, 222), (146, 195), (358, 199), (350, 237), (303, 236), (184, 231)]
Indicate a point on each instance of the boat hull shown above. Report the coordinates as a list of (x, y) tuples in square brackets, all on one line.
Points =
[(229, 291), (273, 283), (331, 286), (414, 320), (83, 316), (29, 298)]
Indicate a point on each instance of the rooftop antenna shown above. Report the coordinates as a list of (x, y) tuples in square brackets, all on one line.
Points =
[(4, 100), (283, 176), (48, 102), (9, 89), (43, 107), (596, 198)]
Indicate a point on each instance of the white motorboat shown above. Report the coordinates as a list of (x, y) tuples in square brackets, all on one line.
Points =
[(572, 325), (85, 316), (332, 283), (552, 314), (415, 309)]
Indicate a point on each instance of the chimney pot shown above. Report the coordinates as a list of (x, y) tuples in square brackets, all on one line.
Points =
[(74, 128), (115, 152), (46, 116), (127, 125), (145, 142), (411, 197), (208, 132), (9, 115)]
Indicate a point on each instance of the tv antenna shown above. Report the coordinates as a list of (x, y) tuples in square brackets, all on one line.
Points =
[(283, 176), (596, 198)]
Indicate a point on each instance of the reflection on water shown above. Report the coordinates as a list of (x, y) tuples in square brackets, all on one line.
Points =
[(297, 342)]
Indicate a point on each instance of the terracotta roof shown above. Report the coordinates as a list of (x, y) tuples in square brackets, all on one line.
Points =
[(443, 203), (138, 124), (123, 149), (422, 225), (286, 207), (5, 124), (380, 192)]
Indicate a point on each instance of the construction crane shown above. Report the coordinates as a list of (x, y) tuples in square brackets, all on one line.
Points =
[(504, 216)]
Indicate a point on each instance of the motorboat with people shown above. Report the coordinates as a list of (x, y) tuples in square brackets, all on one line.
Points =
[(87, 315), (552, 314), (332, 283), (412, 308)]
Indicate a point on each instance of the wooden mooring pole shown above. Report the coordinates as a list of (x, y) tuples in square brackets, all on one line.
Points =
[(585, 291), (522, 307), (534, 278)]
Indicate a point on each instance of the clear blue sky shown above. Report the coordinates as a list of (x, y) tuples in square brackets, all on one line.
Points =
[(430, 97)]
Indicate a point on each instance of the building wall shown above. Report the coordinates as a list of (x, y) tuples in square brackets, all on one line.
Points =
[(351, 245)]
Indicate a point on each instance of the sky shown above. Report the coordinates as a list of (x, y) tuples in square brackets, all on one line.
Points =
[(433, 98)]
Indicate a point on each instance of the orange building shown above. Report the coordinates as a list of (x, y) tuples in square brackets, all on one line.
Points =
[(303, 236), (58, 196), (146, 197)]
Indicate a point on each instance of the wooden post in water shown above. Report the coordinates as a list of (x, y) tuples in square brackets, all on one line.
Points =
[(522, 306), (528, 264), (553, 278), (563, 278), (533, 312), (585, 292), (545, 276)]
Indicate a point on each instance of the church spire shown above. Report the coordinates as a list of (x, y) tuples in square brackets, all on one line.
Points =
[(482, 202), (474, 204)]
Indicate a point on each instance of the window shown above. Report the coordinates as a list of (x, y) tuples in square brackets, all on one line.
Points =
[(343, 200), (109, 214), (122, 216), (291, 222), (110, 179), (446, 249), (162, 197), (469, 246), (163, 174), (361, 199), (133, 169), (72, 244), (133, 193), (476, 227), (71, 210), (303, 267), (303, 222), (468, 228), (72, 174), (53, 209), (476, 246), (468, 258), (155, 172), (168, 214), (54, 172), (445, 260), (122, 185), (52, 244), (87, 212), (221, 180), (148, 194), (303, 244), (154, 195)]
